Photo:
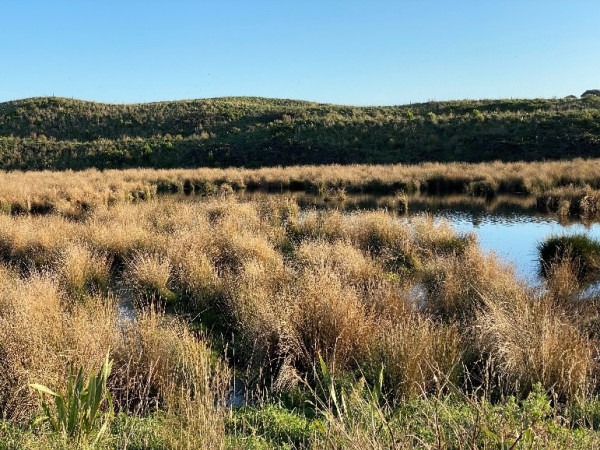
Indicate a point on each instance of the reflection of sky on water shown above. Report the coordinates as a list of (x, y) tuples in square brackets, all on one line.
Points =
[(514, 238)]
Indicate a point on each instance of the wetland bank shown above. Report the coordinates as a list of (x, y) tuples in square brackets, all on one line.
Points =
[(310, 308)]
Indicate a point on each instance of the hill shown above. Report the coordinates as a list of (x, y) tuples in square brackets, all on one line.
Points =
[(60, 133)]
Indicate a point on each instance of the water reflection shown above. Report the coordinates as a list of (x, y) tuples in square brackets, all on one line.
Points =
[(514, 237), (508, 225)]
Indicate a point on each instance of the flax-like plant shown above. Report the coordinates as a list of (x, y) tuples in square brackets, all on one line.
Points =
[(76, 413)]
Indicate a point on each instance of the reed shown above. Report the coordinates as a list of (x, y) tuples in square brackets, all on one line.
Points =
[(75, 194)]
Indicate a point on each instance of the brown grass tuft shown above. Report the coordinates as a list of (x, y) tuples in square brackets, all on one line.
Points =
[(531, 341)]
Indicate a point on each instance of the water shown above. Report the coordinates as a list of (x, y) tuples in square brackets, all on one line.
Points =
[(514, 238)]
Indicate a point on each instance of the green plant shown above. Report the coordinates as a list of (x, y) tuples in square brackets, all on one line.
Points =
[(77, 413), (580, 250)]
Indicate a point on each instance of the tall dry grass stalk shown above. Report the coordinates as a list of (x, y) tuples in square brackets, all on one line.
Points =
[(159, 363), (531, 341), (329, 320)]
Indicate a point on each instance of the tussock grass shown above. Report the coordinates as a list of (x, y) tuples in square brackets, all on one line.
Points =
[(579, 250), (157, 357), (458, 285), (83, 272), (571, 201), (535, 341), (568, 187), (33, 242), (419, 356), (276, 290), (329, 320), (40, 335), (151, 276)]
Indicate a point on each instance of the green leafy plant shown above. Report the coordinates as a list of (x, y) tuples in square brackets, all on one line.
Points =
[(342, 401), (77, 413)]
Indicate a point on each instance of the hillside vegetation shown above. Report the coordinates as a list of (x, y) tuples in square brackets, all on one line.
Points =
[(58, 133)]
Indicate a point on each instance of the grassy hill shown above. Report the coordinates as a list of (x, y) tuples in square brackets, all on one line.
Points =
[(61, 133)]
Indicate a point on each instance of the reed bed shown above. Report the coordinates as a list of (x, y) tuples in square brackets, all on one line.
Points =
[(305, 307), (74, 194)]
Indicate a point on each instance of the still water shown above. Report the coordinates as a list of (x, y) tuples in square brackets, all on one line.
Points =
[(514, 238), (508, 225)]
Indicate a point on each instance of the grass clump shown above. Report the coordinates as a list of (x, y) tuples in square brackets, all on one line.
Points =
[(457, 286), (531, 342), (418, 354), (151, 274), (581, 251), (83, 272)]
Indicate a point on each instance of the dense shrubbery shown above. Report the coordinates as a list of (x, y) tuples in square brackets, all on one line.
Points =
[(60, 133)]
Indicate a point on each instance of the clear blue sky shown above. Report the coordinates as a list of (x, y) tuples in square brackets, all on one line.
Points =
[(367, 52)]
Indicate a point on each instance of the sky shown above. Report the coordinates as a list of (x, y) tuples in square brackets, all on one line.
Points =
[(369, 52)]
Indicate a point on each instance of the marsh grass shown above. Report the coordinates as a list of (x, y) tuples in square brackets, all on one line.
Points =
[(571, 201), (457, 285), (151, 276), (83, 272), (568, 187), (276, 290), (535, 341)]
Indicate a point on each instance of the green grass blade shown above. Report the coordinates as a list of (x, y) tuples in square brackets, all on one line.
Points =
[(43, 389)]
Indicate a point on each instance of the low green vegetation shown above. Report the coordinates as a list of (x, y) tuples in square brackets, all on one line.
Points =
[(76, 413), (59, 133)]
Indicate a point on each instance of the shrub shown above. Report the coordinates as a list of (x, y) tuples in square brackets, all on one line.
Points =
[(580, 250)]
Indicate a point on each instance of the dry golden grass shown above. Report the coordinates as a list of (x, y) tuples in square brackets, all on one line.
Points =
[(531, 341), (280, 287), (353, 267), (41, 335), (329, 319), (194, 273), (83, 271), (419, 356), (158, 356), (34, 242), (151, 276), (457, 286), (75, 194), (562, 280), (577, 201)]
